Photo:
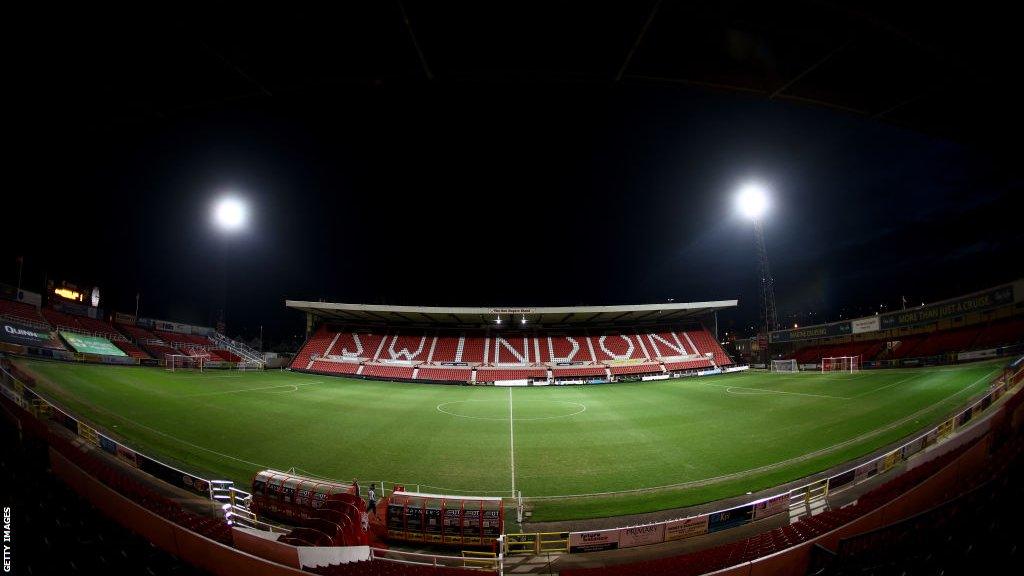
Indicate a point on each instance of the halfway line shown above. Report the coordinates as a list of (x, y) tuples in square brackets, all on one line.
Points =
[(512, 442)]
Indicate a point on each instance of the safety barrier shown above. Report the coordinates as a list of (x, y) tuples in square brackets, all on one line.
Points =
[(536, 542)]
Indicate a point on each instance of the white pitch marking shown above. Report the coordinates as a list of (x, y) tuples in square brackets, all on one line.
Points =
[(512, 441), (888, 385), (294, 386), (779, 464), (441, 408), (777, 391)]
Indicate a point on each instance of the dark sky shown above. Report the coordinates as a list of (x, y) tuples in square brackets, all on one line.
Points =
[(510, 194)]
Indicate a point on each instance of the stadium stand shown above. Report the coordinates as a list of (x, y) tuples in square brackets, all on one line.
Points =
[(587, 371), (976, 531), (565, 348), (315, 346), (388, 372), (635, 369), (444, 374), (328, 367), (688, 365), (706, 343), (614, 346), (503, 355), (68, 535), (473, 349), (130, 349), (929, 342), (19, 311), (493, 375), (148, 341)]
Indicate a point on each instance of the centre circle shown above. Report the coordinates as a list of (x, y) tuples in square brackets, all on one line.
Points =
[(521, 410)]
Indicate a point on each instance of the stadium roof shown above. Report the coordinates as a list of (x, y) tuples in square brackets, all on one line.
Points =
[(470, 316)]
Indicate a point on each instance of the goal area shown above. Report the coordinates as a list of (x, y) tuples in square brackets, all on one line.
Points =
[(840, 364), (785, 366), (176, 362)]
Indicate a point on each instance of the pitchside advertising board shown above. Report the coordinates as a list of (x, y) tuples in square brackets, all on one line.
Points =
[(95, 438), (978, 302), (26, 336), (598, 540)]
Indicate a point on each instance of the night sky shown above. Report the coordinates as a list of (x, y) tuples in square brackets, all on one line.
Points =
[(508, 193)]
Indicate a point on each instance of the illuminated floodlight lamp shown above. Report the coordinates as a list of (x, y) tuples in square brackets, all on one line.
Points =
[(230, 214), (498, 320), (523, 321), (752, 201)]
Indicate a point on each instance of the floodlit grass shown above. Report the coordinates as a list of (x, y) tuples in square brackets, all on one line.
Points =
[(694, 439)]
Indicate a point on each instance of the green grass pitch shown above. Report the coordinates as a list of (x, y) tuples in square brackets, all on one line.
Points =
[(689, 441)]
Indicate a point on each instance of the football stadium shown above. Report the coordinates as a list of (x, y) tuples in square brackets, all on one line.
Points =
[(487, 306)]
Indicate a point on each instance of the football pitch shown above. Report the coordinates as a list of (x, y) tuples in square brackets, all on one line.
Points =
[(574, 451)]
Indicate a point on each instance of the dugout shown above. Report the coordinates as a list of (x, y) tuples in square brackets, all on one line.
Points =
[(475, 521), (300, 499)]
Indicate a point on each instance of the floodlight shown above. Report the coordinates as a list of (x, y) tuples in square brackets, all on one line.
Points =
[(752, 201), (230, 213)]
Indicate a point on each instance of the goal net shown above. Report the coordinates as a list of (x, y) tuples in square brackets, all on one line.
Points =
[(245, 365), (175, 362), (840, 364), (785, 366)]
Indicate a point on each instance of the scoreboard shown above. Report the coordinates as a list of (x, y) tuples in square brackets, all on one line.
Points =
[(433, 518)]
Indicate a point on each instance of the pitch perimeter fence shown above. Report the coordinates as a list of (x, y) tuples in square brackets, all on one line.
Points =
[(700, 524)]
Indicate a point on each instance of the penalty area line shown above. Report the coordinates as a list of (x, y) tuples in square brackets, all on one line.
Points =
[(251, 389)]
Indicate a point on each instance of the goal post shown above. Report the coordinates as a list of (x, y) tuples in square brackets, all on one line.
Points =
[(176, 362), (840, 364), (789, 365), (245, 365)]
